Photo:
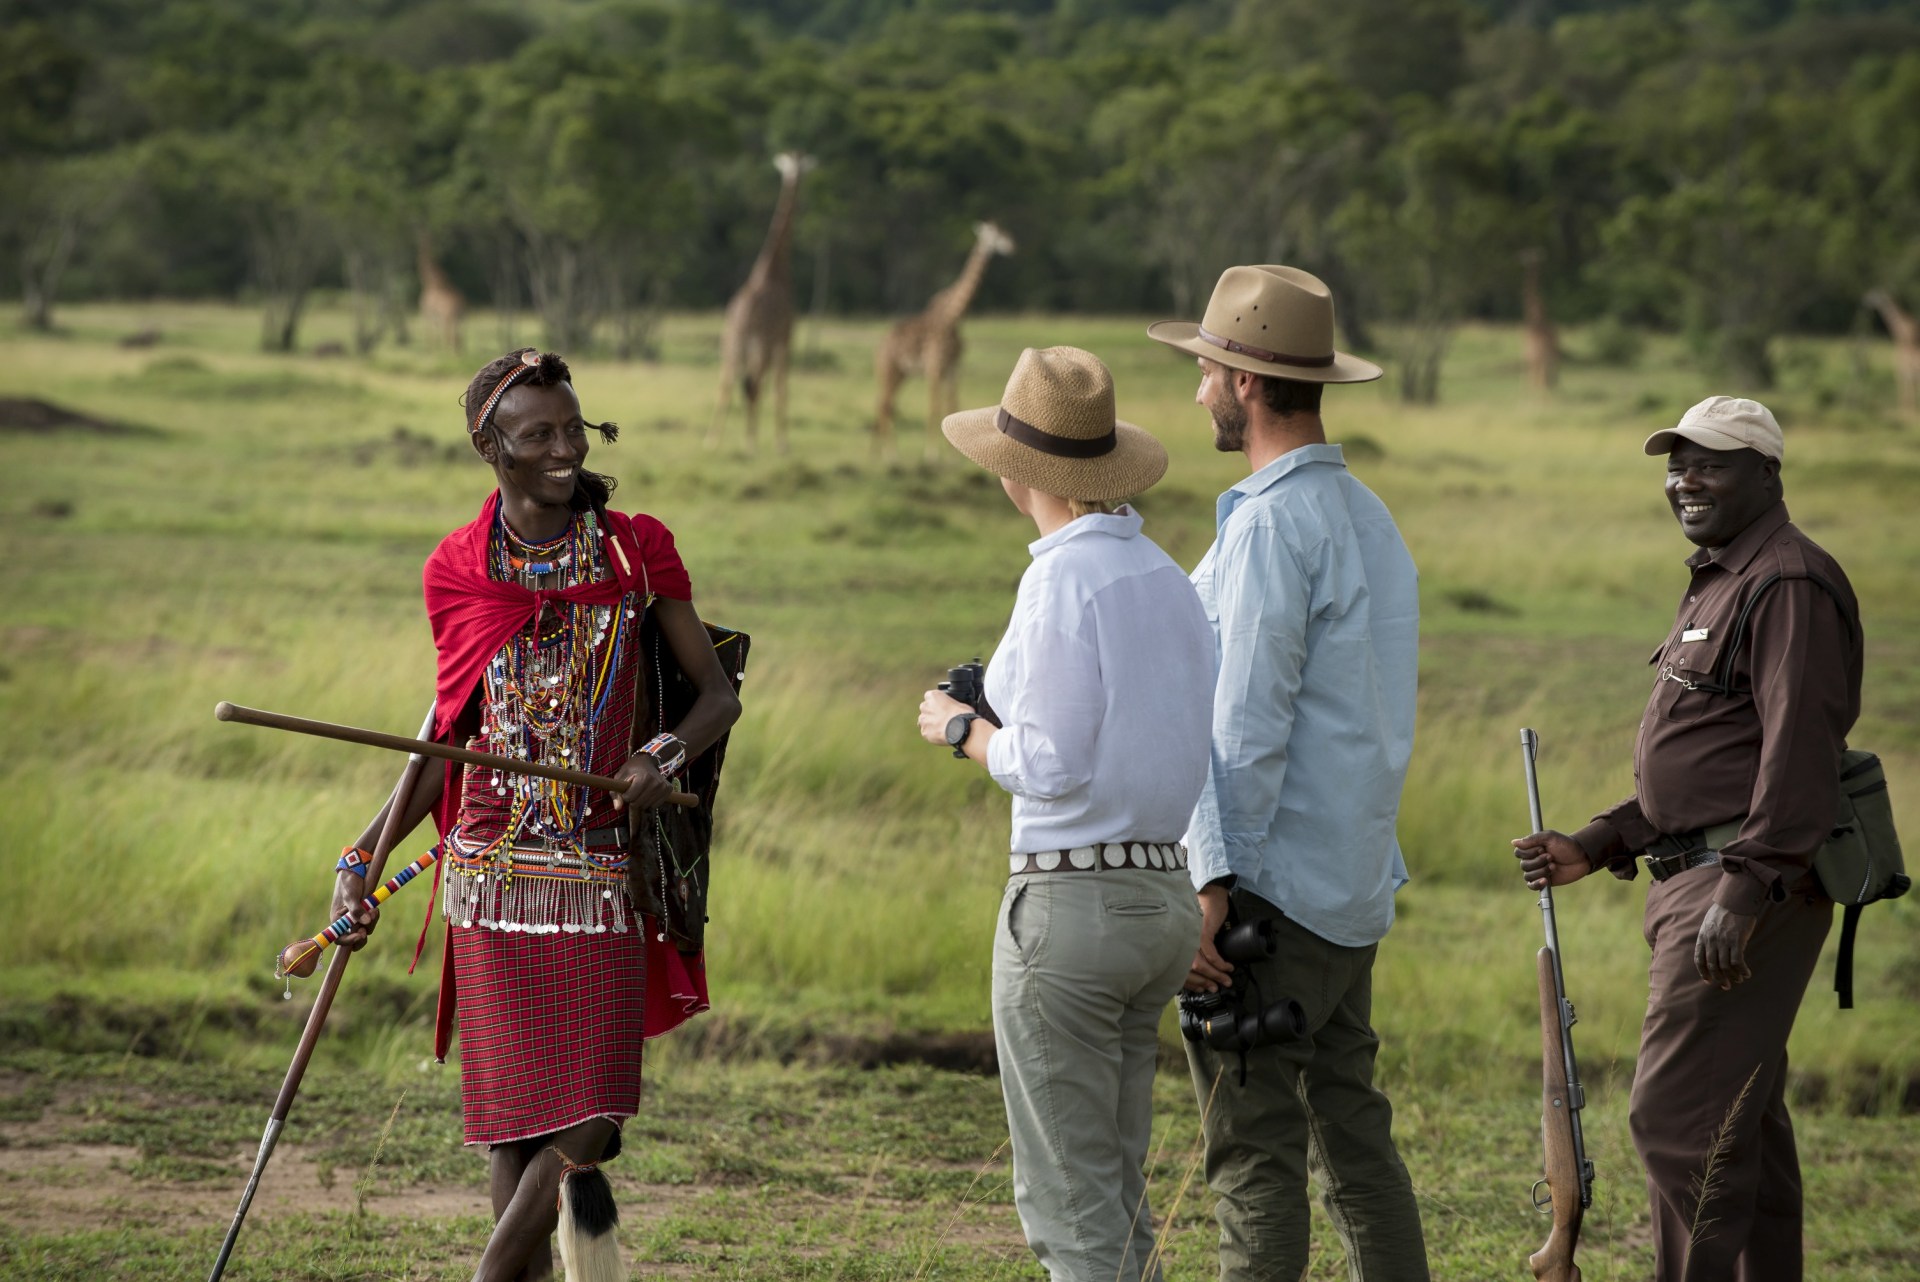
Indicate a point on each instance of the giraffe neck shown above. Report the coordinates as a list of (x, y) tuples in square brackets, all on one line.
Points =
[(1533, 306), (430, 274), (950, 304), (1898, 321), (776, 253)]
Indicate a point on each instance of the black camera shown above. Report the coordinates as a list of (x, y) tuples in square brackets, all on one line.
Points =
[(1235, 1018), (968, 684)]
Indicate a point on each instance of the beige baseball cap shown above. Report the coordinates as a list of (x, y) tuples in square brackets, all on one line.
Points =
[(1724, 423)]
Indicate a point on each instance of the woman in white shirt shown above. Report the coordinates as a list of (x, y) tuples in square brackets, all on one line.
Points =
[(1104, 687)]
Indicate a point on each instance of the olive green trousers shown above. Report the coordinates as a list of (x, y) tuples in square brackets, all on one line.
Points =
[(1308, 1100)]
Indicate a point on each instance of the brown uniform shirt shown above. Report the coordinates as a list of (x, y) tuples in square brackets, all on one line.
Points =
[(1765, 752)]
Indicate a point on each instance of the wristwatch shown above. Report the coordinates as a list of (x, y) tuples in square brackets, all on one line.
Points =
[(957, 731)]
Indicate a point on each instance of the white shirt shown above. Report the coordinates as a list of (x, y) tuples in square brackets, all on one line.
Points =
[(1105, 681)]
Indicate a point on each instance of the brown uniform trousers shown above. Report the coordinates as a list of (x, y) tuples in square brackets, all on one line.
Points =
[(1714, 1062)]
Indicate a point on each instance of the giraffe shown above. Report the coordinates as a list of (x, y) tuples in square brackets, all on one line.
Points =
[(1905, 330), (1542, 343), (930, 343), (759, 324), (441, 305)]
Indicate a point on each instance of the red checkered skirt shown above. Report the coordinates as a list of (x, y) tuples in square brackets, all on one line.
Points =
[(550, 1029)]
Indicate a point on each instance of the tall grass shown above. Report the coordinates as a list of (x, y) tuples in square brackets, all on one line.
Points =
[(264, 546)]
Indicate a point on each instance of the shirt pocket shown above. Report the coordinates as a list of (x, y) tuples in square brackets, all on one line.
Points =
[(1687, 675)]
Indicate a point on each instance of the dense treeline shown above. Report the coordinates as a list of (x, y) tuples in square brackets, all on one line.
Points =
[(1734, 168)]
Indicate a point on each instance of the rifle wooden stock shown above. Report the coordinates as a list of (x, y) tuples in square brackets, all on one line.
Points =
[(1553, 1262)]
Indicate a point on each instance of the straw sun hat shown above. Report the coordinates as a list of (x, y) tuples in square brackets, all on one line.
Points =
[(1269, 320), (1054, 430)]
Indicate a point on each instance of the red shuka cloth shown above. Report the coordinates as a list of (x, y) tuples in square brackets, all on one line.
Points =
[(540, 1051), (473, 615)]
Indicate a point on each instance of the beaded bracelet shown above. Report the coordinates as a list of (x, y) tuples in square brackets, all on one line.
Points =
[(353, 860), (668, 766)]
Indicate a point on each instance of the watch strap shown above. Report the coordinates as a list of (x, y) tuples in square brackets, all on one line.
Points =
[(966, 720)]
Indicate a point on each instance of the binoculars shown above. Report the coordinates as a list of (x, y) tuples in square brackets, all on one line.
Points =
[(968, 684), (1222, 1020)]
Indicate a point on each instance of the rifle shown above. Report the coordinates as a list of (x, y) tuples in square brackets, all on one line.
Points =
[(1567, 1167)]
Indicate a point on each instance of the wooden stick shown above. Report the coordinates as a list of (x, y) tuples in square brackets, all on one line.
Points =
[(316, 1018), (224, 711)]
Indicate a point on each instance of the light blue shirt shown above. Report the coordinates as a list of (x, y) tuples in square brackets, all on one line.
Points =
[(1315, 607)]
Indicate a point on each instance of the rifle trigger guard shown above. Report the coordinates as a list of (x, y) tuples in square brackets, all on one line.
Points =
[(1544, 1205)]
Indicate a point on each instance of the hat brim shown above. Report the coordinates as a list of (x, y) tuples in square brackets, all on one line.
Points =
[(1661, 442), (1185, 335), (1134, 465)]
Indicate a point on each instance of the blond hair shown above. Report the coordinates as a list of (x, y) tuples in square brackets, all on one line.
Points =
[(1087, 507)]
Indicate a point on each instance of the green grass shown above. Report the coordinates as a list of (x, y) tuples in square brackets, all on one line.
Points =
[(263, 545), (755, 1171)]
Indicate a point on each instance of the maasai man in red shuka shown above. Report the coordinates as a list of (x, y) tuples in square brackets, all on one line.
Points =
[(536, 608)]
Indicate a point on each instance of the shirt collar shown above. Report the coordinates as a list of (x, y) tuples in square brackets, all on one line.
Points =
[(1273, 473), (1123, 524), (1744, 546)]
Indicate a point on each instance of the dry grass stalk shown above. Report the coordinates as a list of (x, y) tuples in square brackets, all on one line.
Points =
[(1153, 1166), (1707, 1183), (363, 1183), (1186, 1181), (966, 1200)]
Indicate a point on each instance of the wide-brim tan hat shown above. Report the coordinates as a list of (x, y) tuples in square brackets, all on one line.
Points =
[(1055, 431), (1272, 320)]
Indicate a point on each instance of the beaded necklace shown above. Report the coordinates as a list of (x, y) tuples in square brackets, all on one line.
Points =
[(547, 687)]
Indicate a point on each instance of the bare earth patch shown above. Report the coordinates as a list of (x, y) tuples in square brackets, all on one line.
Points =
[(60, 1188)]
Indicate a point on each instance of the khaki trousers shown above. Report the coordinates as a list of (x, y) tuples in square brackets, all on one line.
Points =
[(1700, 1049), (1083, 965), (1308, 1099)]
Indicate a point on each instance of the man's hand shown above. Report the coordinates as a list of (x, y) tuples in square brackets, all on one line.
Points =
[(937, 707), (1552, 853), (349, 888), (1720, 952), (645, 787), (1210, 971)]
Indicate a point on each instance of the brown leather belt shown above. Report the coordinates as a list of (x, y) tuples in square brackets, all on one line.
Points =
[(1169, 856)]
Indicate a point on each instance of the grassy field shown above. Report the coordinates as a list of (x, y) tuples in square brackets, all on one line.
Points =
[(257, 537)]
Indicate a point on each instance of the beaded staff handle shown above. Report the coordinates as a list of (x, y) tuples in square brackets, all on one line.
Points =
[(224, 711), (298, 959)]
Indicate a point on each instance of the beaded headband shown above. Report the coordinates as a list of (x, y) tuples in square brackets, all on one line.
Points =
[(529, 362)]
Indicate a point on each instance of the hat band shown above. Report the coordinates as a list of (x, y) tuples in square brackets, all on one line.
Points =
[(1261, 353), (1047, 443)]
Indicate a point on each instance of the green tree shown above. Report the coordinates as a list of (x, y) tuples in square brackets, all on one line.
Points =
[(1435, 226), (590, 173), (1727, 240)]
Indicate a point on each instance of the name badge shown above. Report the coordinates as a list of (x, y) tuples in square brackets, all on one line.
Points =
[(1694, 634)]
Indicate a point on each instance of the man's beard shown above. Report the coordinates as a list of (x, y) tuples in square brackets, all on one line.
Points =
[(1229, 424)]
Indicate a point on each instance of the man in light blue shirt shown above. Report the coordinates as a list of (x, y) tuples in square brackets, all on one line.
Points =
[(1314, 603)]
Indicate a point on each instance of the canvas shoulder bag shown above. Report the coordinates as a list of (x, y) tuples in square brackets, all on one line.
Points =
[(1860, 863)]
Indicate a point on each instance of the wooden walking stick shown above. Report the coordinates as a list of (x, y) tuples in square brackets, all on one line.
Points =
[(317, 1017), (417, 750), (423, 746)]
